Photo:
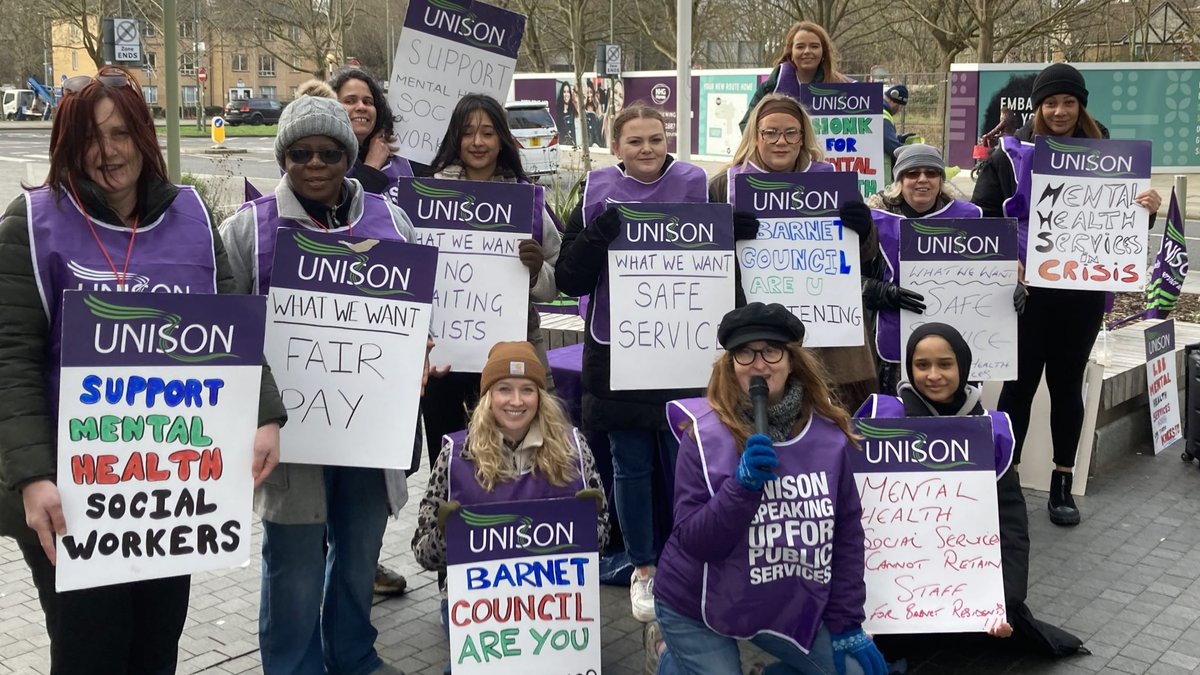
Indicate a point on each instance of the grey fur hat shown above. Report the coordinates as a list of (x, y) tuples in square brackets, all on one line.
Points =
[(314, 116)]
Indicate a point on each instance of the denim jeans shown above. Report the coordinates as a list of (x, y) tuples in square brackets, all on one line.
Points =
[(315, 611), (693, 649), (633, 461)]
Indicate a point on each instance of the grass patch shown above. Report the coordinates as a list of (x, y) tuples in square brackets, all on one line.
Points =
[(189, 130)]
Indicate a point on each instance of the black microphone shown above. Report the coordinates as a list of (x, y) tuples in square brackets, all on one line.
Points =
[(758, 401)]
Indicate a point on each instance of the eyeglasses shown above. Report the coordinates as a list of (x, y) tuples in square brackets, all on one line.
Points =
[(917, 173), (110, 78), (772, 136), (304, 155), (771, 354)]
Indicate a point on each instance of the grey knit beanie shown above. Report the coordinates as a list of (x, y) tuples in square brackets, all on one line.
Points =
[(314, 116), (917, 156)]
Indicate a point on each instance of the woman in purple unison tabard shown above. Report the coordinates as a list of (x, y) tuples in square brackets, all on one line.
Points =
[(377, 166), (725, 575), (107, 218), (808, 57), (634, 420)]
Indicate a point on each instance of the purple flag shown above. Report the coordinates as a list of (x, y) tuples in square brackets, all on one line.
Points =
[(1170, 267), (252, 192)]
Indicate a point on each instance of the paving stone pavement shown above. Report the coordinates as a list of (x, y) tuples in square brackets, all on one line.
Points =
[(1125, 580)]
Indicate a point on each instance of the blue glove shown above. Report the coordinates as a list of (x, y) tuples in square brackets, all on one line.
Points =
[(859, 645), (758, 463)]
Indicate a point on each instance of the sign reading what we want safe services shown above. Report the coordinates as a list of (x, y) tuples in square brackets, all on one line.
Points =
[(157, 411), (523, 587)]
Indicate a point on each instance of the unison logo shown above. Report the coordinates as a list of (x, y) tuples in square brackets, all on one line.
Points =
[(950, 240), (434, 203), (647, 226), (837, 102), (508, 531), (126, 329), (1080, 158), (777, 195), (906, 445), (458, 20), (348, 263)]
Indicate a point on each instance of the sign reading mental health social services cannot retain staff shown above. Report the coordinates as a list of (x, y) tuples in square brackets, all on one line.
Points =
[(931, 525), (671, 279), (803, 258), (523, 587), (447, 49), (1085, 229), (848, 121), (158, 406), (348, 322)]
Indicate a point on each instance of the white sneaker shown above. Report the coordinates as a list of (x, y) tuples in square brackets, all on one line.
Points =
[(641, 596)]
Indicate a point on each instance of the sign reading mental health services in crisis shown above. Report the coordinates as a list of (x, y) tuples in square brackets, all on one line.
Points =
[(1160, 385), (158, 406), (1085, 229), (523, 587), (967, 271), (670, 279), (803, 258), (447, 49), (481, 296), (348, 322), (931, 524), (848, 121)]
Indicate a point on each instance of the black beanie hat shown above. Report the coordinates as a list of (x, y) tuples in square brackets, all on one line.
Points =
[(962, 351), (1059, 78)]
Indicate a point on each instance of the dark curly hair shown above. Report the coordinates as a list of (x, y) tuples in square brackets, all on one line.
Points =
[(385, 119)]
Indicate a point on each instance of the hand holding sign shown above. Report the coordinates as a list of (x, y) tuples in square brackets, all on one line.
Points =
[(44, 515), (266, 452)]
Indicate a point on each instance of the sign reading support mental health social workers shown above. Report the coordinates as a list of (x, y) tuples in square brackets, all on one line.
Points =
[(481, 296), (523, 587), (157, 411), (348, 319), (1085, 229), (1161, 386), (932, 529), (967, 271), (671, 279), (447, 49), (803, 258), (848, 121)]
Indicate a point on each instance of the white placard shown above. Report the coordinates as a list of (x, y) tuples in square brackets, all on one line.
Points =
[(1160, 385)]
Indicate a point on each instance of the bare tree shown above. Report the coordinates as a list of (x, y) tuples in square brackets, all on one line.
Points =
[(294, 31), (23, 35), (577, 26)]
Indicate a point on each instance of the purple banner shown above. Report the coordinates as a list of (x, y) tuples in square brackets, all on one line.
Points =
[(357, 266), (915, 444), (695, 227), (854, 98), (788, 195), (1170, 266), (503, 208), (482, 532), (107, 328), (658, 92), (964, 115), (470, 23), (958, 239), (1160, 339), (1091, 158)]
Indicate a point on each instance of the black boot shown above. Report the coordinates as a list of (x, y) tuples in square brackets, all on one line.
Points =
[(1062, 504)]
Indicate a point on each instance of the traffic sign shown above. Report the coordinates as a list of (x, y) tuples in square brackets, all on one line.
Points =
[(218, 130), (201, 75), (612, 60), (127, 41)]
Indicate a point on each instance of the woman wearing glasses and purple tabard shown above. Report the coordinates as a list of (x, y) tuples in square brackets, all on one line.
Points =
[(106, 191), (315, 610), (779, 138)]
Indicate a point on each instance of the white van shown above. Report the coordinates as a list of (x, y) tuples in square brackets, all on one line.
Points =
[(20, 104), (536, 134)]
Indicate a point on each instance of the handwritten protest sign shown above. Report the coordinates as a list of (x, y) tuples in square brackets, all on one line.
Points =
[(158, 405), (523, 585), (482, 292), (1085, 229), (348, 319), (928, 489), (848, 121), (671, 279), (447, 49), (803, 258), (967, 271), (1161, 386)]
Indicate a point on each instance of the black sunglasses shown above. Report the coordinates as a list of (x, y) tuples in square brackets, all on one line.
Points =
[(80, 82), (304, 155)]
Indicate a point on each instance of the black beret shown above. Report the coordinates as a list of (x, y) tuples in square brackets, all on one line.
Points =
[(757, 321)]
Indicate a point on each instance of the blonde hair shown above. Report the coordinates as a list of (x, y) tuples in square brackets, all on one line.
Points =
[(318, 88), (725, 395), (828, 54), (747, 149), (556, 460), (1086, 123)]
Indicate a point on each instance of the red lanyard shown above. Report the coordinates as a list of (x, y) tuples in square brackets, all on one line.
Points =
[(124, 273), (323, 226)]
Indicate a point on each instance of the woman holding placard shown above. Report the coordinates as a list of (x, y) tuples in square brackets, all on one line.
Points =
[(1057, 328), (479, 145), (779, 138), (729, 572), (808, 57), (315, 610), (937, 361), (106, 191), (634, 420), (377, 165)]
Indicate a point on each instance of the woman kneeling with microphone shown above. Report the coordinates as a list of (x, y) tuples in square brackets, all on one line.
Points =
[(768, 543)]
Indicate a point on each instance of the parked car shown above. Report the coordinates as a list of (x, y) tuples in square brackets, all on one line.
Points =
[(253, 111), (536, 133)]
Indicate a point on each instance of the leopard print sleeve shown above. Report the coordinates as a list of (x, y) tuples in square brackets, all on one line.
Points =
[(429, 543), (592, 479)]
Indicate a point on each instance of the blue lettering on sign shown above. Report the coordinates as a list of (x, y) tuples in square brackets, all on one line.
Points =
[(523, 573)]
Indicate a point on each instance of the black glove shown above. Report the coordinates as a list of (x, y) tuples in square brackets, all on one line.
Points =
[(879, 294), (607, 225), (745, 226), (1020, 295), (857, 217)]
